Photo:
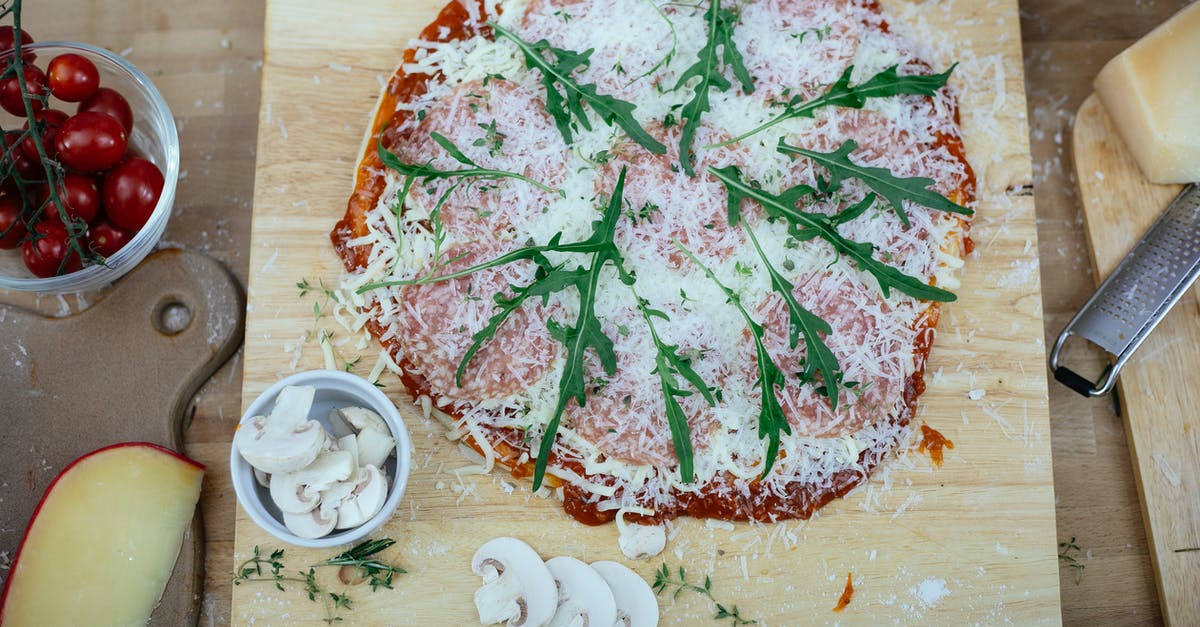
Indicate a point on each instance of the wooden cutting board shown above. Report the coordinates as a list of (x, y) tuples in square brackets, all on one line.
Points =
[(1157, 388), (68, 388), (972, 542)]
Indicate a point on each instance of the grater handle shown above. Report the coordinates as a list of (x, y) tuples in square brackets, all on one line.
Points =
[(1076, 381)]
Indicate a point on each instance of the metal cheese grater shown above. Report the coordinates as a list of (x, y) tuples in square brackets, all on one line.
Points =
[(1138, 293)]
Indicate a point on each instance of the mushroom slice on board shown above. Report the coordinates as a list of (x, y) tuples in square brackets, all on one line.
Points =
[(639, 542), (518, 588), (583, 596), (636, 604), (300, 491), (312, 524), (285, 440), (365, 500)]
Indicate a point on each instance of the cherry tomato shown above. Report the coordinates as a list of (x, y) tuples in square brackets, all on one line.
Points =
[(12, 227), (131, 191), (49, 250), (72, 77), (51, 119), (10, 91), (109, 102), (28, 169), (7, 43), (91, 141), (106, 239), (80, 196)]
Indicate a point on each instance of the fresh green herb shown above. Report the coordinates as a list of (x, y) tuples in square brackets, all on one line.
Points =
[(565, 97), (493, 139), (670, 56), (818, 358), (601, 157), (841, 94), (771, 420), (645, 213), (666, 581), (1064, 554), (895, 190), (708, 68), (819, 33), (803, 225), (360, 558), (427, 172)]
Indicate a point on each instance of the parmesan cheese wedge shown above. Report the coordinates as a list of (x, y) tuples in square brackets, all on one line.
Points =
[(104, 540), (1150, 91)]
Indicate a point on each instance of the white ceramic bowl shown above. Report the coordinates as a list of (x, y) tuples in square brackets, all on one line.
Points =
[(153, 136), (334, 389)]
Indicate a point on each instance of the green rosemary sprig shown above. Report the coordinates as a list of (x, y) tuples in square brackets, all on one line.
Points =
[(565, 96), (804, 225), (708, 68), (666, 581), (362, 559), (842, 94), (771, 420), (894, 189)]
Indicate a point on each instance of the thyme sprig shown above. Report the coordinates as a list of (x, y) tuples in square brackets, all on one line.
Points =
[(819, 359), (667, 58), (804, 225), (771, 419), (843, 94), (1065, 556), (708, 68), (270, 568), (894, 189), (666, 581), (426, 171), (565, 97)]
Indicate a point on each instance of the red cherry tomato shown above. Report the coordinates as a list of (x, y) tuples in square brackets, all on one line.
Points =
[(12, 227), (106, 239), (109, 102), (7, 43), (35, 84), (28, 169), (50, 120), (80, 196), (49, 251), (131, 192), (91, 142), (72, 77)]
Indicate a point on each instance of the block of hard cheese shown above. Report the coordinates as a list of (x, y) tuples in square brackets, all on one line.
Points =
[(104, 540), (1152, 92)]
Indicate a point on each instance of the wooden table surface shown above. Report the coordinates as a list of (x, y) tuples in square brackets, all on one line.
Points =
[(206, 58)]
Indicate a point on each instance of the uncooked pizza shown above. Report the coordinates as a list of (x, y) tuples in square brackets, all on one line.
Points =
[(669, 258)]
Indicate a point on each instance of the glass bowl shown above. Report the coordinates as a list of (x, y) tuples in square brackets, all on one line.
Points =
[(153, 137)]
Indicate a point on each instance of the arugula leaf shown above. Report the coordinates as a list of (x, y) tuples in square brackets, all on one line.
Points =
[(805, 225), (842, 94), (565, 97), (818, 358), (427, 172), (895, 190), (771, 420), (707, 69)]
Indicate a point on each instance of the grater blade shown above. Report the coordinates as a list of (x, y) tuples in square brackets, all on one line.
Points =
[(1138, 293)]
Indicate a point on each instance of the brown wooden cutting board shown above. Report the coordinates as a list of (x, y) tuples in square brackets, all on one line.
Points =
[(68, 387), (972, 542), (1159, 397)]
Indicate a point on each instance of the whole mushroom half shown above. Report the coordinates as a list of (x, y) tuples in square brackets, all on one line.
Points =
[(286, 440), (636, 604), (313, 524), (364, 500), (518, 588), (372, 436), (584, 599)]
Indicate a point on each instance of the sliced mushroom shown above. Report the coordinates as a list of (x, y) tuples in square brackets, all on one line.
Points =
[(639, 542), (374, 447), (300, 491), (584, 599), (349, 444), (347, 420), (518, 588), (285, 440), (365, 500), (636, 604), (312, 524), (263, 478)]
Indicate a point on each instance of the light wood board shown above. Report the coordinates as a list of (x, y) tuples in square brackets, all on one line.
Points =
[(1157, 388), (971, 542)]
